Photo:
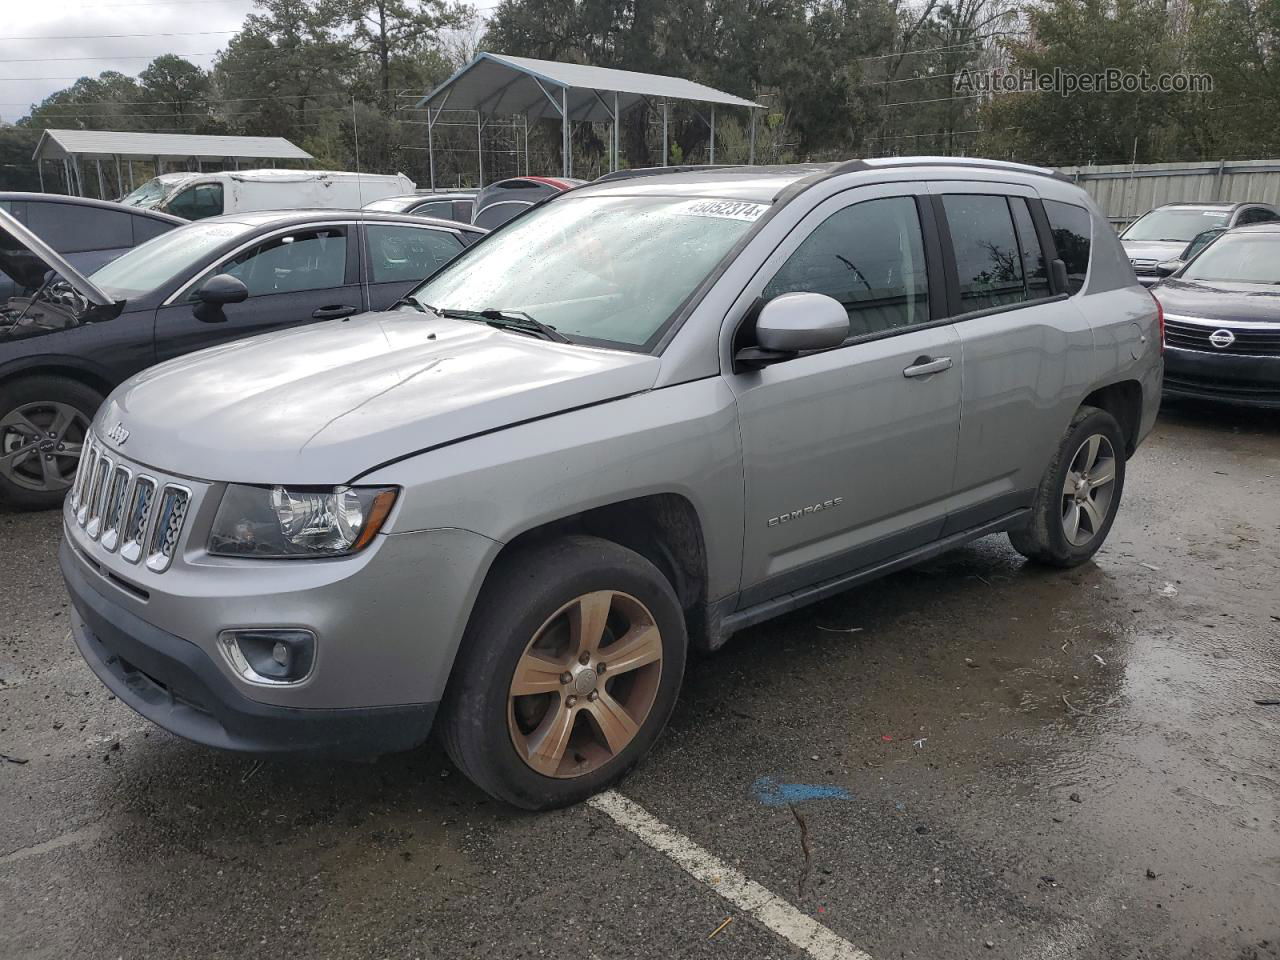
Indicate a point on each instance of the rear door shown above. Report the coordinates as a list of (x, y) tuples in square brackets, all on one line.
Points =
[(1028, 349), (398, 257), (301, 275)]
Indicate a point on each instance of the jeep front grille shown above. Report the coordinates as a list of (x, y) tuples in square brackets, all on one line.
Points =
[(129, 509)]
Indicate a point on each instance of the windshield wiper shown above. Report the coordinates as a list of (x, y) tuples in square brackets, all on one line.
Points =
[(507, 320)]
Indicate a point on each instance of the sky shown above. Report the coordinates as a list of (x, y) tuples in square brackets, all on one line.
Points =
[(55, 42)]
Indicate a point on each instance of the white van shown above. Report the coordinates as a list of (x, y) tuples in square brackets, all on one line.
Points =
[(199, 195)]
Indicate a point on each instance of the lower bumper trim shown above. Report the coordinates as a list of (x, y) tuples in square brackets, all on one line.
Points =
[(176, 685)]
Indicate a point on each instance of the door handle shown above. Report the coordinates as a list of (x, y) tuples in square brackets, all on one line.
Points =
[(927, 365), (334, 312)]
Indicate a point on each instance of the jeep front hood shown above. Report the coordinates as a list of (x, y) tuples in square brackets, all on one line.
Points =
[(26, 259), (325, 403)]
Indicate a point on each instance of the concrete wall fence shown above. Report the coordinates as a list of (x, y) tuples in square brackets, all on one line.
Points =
[(1126, 191)]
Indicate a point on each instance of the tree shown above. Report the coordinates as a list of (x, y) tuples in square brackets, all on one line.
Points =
[(403, 33), (177, 87)]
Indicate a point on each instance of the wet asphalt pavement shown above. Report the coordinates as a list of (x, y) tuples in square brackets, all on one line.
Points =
[(1020, 763)]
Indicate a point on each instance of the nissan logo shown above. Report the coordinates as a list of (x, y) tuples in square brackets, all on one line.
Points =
[(1222, 339)]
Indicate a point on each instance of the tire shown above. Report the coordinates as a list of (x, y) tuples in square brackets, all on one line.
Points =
[(525, 614), (29, 480), (1048, 538)]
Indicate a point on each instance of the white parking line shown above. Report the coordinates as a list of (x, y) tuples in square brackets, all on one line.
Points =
[(774, 912)]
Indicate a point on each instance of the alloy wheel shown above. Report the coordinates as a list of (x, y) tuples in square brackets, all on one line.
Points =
[(40, 445), (585, 684), (1088, 490)]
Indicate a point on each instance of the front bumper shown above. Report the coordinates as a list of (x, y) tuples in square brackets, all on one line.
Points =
[(178, 686), (1224, 377)]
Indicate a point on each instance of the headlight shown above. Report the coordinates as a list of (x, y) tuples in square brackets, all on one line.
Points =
[(275, 522)]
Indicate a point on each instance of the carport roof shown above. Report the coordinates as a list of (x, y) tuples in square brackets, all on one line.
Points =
[(60, 144), (498, 85)]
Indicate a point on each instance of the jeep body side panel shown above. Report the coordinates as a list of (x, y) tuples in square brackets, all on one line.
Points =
[(680, 440)]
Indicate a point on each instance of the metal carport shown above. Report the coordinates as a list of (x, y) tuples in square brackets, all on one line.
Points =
[(71, 146), (498, 85)]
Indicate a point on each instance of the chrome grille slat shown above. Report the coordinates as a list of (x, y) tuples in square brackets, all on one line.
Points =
[(113, 509), (82, 474), (171, 514), (1249, 341), (88, 464), (97, 493), (136, 522)]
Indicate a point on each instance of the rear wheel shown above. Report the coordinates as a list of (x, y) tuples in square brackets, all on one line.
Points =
[(44, 422), (1079, 495), (569, 671)]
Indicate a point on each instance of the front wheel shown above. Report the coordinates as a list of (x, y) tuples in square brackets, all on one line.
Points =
[(1079, 495), (567, 674), (44, 422)]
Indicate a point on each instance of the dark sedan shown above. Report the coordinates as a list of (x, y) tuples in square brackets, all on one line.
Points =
[(66, 346), (88, 233), (1222, 320), (454, 205)]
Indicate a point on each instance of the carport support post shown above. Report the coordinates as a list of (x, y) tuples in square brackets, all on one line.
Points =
[(713, 133), (666, 153), (751, 157), (566, 161), (119, 176), (40, 171), (431, 151), (615, 131)]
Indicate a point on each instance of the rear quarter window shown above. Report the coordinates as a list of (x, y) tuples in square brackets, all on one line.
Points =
[(144, 228), (1071, 229)]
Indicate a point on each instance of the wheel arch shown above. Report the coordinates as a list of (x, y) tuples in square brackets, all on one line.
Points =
[(664, 528), (1123, 400), (51, 366)]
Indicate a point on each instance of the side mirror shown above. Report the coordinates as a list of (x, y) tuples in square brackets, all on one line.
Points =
[(216, 293), (793, 323), (1058, 274), (1166, 268)]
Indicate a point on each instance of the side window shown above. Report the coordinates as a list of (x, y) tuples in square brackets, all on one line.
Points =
[(1070, 226), (870, 257), (1035, 269), (144, 228), (988, 262), (1255, 215), (462, 211), (305, 260), (408, 253), (198, 202), (70, 228), (437, 208)]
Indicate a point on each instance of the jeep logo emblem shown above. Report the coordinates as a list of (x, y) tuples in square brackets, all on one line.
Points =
[(1222, 339), (118, 434)]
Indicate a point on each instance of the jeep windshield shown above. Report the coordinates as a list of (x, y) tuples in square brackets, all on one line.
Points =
[(612, 271), (162, 258)]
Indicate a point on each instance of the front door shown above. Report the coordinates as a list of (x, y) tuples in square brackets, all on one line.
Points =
[(849, 453), (294, 277)]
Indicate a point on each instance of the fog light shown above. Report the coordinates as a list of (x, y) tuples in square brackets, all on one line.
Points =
[(269, 656)]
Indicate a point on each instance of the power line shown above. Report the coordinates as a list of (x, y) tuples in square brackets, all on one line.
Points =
[(126, 56), (126, 36)]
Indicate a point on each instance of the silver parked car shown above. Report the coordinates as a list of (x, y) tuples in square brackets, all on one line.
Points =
[(1164, 233), (649, 413)]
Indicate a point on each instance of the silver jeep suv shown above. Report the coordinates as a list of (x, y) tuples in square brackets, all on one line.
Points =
[(646, 414)]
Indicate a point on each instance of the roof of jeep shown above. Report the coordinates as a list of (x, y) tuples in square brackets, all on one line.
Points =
[(762, 184)]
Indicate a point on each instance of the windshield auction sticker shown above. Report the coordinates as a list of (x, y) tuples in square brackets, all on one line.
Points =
[(725, 209)]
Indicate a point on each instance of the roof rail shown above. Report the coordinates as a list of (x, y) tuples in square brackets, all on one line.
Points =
[(855, 166), (658, 171)]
